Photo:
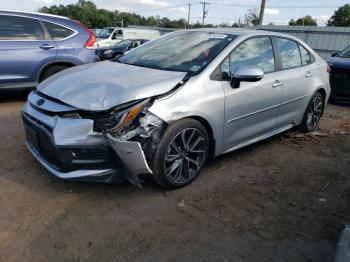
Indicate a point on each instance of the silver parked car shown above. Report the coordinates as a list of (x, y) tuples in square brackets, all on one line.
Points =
[(165, 107)]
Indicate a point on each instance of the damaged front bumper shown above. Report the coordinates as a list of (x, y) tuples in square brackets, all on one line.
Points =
[(70, 149)]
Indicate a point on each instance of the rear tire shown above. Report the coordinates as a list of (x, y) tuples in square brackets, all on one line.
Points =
[(181, 154), (51, 71), (313, 113)]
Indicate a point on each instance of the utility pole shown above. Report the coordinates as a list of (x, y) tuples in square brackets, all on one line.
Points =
[(189, 15), (204, 12), (262, 10)]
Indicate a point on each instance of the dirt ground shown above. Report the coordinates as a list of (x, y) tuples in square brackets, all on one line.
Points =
[(284, 199)]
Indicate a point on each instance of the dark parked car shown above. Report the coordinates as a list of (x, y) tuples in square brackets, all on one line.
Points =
[(35, 46), (119, 48), (340, 75)]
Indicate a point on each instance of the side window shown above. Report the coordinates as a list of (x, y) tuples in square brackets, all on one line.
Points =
[(57, 32), (118, 34), (306, 57), (289, 51), (20, 28), (256, 52)]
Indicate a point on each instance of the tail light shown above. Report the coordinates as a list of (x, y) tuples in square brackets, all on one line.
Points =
[(90, 43)]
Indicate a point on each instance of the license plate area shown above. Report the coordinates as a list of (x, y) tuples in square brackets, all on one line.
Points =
[(32, 137)]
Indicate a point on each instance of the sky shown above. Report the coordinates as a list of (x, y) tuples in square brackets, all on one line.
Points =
[(278, 12)]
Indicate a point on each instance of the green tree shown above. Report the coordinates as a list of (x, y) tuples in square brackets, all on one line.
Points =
[(306, 20), (341, 17), (252, 17), (87, 12)]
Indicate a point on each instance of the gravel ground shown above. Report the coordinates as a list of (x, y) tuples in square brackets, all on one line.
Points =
[(283, 199)]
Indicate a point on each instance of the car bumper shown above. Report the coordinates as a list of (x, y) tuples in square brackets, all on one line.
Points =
[(69, 149), (339, 80)]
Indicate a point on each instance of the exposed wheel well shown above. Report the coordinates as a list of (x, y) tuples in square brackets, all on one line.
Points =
[(207, 126), (67, 64)]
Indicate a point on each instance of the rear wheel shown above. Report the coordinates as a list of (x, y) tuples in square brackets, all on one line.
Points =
[(313, 113), (51, 71), (181, 154)]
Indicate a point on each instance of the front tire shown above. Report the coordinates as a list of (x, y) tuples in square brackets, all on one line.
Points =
[(313, 113), (181, 154)]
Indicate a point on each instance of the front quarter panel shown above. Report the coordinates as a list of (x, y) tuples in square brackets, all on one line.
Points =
[(202, 98)]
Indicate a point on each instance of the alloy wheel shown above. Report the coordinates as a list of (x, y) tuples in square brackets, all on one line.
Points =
[(314, 113), (185, 155)]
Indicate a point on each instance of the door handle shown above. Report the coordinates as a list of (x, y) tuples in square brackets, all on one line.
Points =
[(46, 46), (277, 84), (308, 74)]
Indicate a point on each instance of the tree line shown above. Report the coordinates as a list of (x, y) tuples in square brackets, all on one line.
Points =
[(93, 17)]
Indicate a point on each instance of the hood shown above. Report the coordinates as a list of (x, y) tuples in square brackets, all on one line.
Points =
[(339, 62), (103, 85)]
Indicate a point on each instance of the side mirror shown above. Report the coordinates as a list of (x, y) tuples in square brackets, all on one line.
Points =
[(246, 74), (334, 54)]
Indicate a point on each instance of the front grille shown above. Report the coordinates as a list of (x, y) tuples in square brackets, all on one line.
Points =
[(39, 136), (38, 122)]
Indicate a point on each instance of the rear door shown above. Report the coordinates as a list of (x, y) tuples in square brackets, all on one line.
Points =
[(24, 49), (297, 76)]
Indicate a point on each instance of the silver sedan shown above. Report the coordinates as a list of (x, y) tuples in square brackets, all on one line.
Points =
[(165, 107)]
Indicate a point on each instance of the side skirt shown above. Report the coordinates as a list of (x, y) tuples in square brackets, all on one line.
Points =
[(259, 138)]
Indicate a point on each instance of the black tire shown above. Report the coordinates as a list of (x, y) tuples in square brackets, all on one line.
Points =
[(51, 71), (191, 130), (313, 111)]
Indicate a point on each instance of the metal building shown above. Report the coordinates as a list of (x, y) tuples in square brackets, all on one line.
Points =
[(324, 40)]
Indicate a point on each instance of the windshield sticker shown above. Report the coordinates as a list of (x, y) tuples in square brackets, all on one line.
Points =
[(217, 36), (195, 68)]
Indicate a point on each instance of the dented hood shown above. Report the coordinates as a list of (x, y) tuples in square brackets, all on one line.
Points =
[(103, 85)]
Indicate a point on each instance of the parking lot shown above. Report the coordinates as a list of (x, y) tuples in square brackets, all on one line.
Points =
[(284, 199)]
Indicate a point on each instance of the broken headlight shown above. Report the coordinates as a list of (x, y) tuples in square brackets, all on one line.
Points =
[(122, 118)]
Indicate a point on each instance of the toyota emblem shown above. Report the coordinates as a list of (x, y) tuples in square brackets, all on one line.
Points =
[(40, 102)]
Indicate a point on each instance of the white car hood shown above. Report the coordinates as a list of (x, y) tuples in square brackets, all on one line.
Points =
[(103, 85)]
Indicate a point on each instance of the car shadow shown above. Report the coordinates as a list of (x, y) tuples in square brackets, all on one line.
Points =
[(12, 95)]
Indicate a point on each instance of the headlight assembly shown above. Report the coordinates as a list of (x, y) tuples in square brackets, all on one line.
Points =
[(125, 117)]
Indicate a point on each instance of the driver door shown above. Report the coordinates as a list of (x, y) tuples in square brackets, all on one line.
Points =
[(116, 37), (252, 108)]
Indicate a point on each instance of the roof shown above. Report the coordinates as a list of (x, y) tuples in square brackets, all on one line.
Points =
[(16, 12), (228, 30)]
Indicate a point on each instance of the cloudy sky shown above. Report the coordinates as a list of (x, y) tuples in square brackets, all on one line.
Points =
[(277, 11)]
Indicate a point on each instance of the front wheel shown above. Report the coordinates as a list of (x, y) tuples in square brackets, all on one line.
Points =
[(181, 154), (313, 113)]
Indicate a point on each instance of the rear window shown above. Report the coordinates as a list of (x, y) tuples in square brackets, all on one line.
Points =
[(58, 32), (306, 57), (20, 28), (289, 51)]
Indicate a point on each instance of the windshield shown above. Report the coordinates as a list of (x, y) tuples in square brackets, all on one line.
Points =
[(105, 33), (185, 51), (345, 53), (123, 43)]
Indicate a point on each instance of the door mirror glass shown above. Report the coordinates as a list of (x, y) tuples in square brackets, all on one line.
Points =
[(246, 74)]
